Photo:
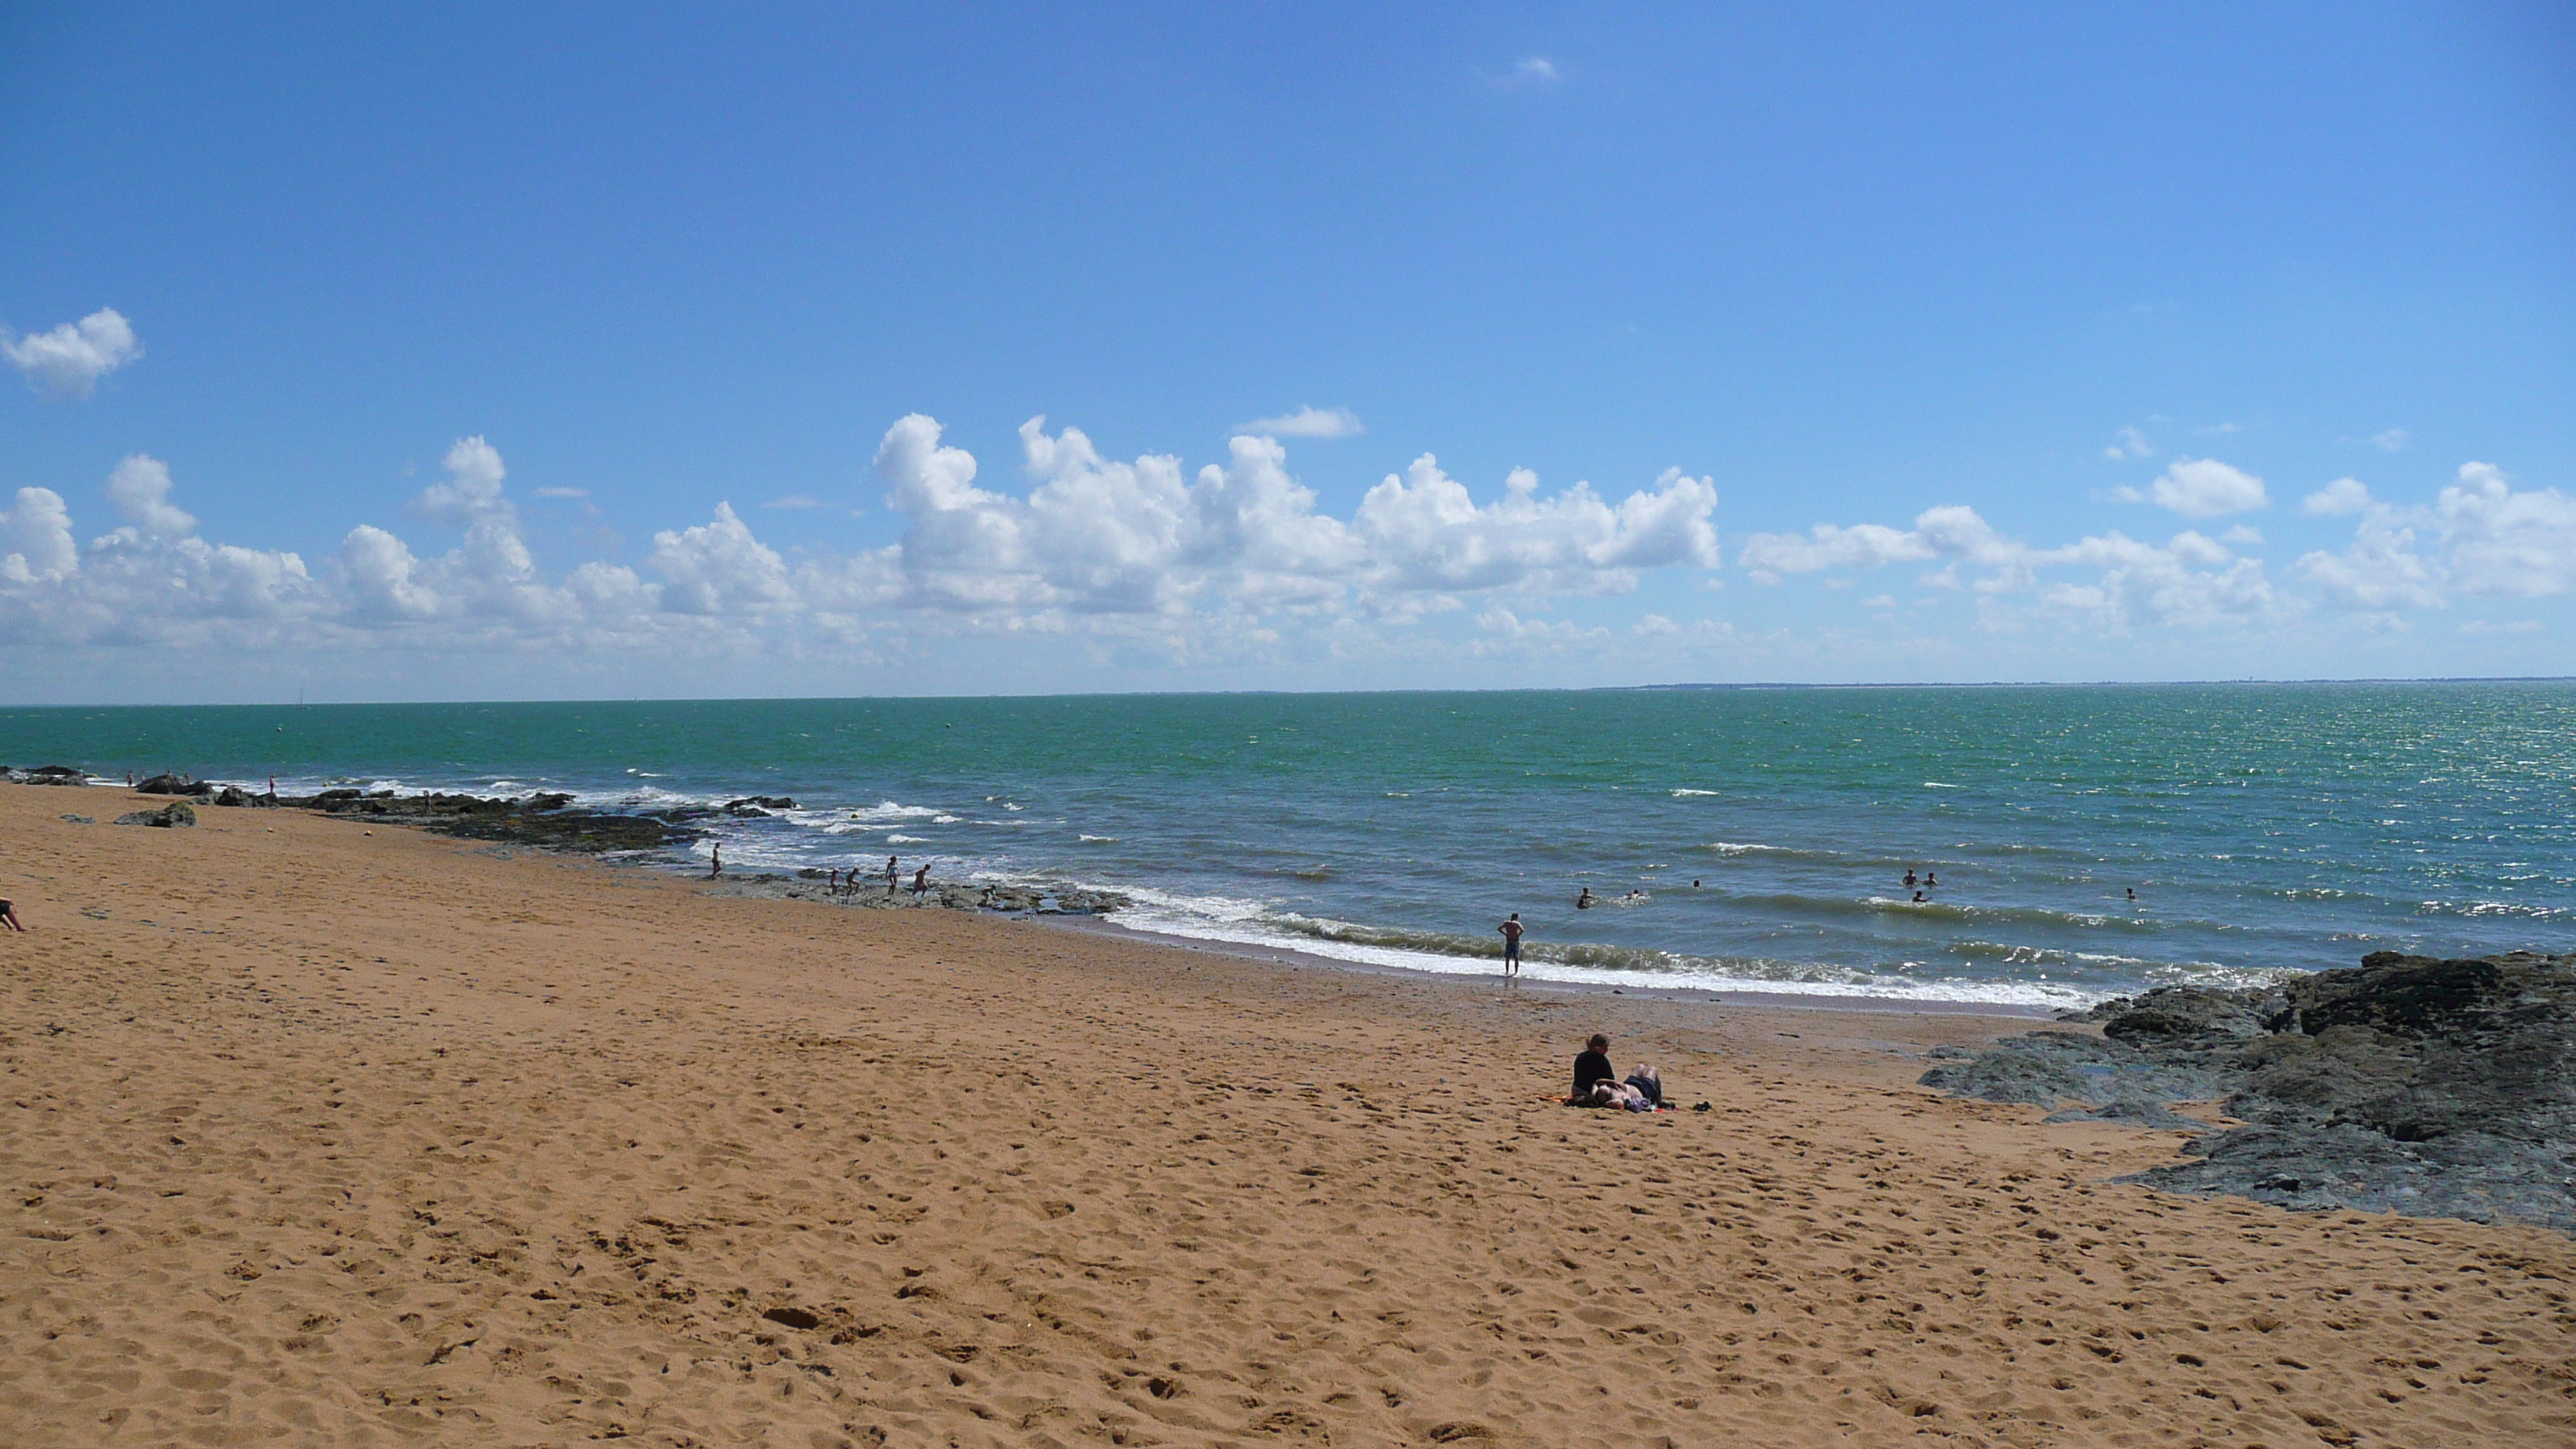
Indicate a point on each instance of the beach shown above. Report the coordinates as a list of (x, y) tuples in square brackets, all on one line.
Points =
[(318, 1132)]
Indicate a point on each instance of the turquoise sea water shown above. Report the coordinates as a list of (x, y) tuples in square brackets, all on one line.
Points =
[(2265, 828)]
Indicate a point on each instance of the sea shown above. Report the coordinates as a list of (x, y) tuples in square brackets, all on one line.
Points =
[(1735, 839)]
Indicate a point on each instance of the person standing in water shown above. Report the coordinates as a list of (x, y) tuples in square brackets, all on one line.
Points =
[(1511, 930), (715, 861)]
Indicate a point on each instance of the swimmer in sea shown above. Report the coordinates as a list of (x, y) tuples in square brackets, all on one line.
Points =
[(1909, 877), (2133, 893), (1587, 900), (1918, 898), (1930, 880)]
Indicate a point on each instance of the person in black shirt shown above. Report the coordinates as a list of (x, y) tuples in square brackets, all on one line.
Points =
[(1590, 1069)]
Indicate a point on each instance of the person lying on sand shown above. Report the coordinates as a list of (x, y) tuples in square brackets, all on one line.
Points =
[(9, 916)]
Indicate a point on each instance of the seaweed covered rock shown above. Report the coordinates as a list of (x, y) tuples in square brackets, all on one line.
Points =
[(168, 816)]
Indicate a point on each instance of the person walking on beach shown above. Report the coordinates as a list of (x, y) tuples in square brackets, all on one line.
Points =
[(921, 881), (1511, 930), (715, 861), (892, 875)]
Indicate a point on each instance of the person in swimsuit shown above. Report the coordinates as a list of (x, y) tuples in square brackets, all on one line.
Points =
[(1511, 930), (9, 916), (715, 861), (1930, 880), (1909, 877), (891, 875), (1585, 901), (921, 881)]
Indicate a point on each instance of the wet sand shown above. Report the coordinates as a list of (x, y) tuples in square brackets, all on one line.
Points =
[(316, 1136)]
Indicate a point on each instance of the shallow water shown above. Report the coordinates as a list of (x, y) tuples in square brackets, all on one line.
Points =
[(2265, 828)]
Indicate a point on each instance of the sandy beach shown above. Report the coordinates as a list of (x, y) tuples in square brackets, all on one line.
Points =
[(314, 1133)]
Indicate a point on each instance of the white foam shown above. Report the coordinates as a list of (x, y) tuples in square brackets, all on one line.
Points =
[(1686, 794)]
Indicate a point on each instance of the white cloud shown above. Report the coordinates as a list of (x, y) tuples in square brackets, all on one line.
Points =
[(2343, 495), (2380, 571), (2391, 441), (562, 492), (69, 360), (471, 490), (1307, 422), (39, 528), (1531, 70), (2129, 443), (140, 489), (2200, 488), (795, 501), (2507, 542), (719, 568), (2190, 580)]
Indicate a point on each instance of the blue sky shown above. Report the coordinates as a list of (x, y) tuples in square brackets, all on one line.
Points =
[(580, 351)]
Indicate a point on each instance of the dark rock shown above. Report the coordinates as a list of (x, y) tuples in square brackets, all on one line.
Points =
[(168, 816), (173, 785), (547, 800), (336, 799), (2435, 1087), (2185, 1014), (48, 775), (80, 820), (233, 795), (2131, 1112), (796, 1318), (758, 805)]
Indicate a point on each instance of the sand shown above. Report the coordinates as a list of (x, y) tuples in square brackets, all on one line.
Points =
[(311, 1135)]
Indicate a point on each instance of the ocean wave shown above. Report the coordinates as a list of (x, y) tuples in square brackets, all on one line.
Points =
[(2518, 909), (888, 811), (1249, 923), (906, 840), (1097, 839), (1686, 794)]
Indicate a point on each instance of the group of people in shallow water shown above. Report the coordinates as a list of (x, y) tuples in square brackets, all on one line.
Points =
[(1931, 882)]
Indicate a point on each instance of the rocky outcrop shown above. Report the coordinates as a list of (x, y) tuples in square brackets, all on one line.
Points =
[(813, 885), (755, 806), (173, 785), (168, 816), (47, 775), (541, 820), (2412, 1083)]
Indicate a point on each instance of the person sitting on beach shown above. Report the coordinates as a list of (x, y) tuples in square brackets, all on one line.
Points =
[(9, 916), (1587, 900), (1591, 1069)]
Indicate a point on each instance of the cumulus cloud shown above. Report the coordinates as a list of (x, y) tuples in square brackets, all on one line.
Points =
[(2200, 488), (2343, 495), (2507, 542), (140, 489), (39, 531), (69, 360), (2190, 579), (1307, 422)]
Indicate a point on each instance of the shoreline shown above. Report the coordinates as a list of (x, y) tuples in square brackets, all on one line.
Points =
[(1778, 1000)]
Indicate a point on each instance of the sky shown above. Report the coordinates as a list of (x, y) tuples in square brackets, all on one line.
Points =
[(589, 351)]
